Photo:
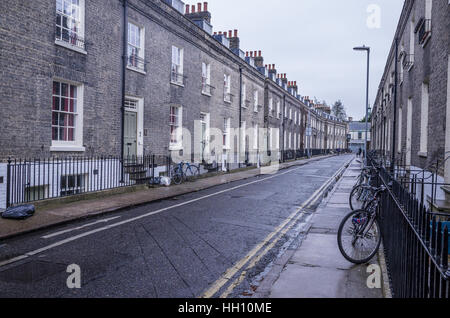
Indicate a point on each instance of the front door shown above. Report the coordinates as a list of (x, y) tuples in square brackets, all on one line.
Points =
[(130, 136)]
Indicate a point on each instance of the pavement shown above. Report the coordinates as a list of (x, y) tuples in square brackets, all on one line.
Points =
[(316, 269), (60, 214)]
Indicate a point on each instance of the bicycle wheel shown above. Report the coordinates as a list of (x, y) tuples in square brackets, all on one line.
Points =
[(357, 242), (355, 199), (177, 178), (191, 173)]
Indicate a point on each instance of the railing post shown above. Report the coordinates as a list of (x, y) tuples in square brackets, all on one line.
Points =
[(8, 183)]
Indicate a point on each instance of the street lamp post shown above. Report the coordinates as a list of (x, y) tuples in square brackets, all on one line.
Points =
[(367, 49)]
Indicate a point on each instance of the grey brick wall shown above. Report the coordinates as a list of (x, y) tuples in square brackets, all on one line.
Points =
[(430, 66), (30, 61)]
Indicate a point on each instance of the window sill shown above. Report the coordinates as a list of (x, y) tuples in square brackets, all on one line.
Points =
[(134, 69), (175, 148), (177, 84), (427, 39), (422, 154), (70, 47), (227, 102), (67, 149), (206, 94)]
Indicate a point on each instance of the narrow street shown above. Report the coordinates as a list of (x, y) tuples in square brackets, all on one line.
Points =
[(214, 243)]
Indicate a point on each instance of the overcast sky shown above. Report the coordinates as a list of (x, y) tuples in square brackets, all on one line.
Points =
[(312, 41)]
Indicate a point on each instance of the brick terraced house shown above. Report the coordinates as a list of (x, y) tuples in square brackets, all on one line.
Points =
[(105, 80), (411, 115)]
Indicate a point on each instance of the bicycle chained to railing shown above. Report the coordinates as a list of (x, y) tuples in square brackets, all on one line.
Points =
[(184, 172), (359, 235)]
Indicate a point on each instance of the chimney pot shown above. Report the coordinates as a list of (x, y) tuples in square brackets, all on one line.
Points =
[(246, 54), (187, 8), (193, 9), (199, 6), (259, 53), (220, 32), (251, 54), (230, 34), (235, 33), (273, 66), (205, 6)]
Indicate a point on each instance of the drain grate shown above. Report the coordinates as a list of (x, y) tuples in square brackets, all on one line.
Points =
[(32, 271)]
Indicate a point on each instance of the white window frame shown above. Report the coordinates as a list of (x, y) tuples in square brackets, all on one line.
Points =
[(206, 78), (226, 133), (278, 109), (255, 101), (80, 21), (270, 137), (227, 88), (132, 43), (244, 96), (178, 144), (255, 136), (271, 107), (77, 144), (177, 67), (424, 114)]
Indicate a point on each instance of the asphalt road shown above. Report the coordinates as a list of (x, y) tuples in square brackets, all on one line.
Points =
[(213, 243)]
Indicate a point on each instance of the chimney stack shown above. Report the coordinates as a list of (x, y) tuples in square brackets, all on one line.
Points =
[(259, 60), (272, 72), (235, 43), (198, 15)]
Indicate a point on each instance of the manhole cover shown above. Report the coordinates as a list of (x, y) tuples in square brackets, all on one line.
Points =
[(31, 272)]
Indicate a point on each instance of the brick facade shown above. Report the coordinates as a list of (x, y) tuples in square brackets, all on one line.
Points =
[(429, 67), (31, 60)]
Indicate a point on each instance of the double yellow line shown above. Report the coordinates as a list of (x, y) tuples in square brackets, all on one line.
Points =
[(252, 258)]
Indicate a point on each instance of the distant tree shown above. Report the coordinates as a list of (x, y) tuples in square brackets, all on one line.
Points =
[(338, 110), (364, 119)]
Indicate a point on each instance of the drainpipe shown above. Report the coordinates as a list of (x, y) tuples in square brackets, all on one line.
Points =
[(283, 126), (240, 116), (124, 69), (394, 128)]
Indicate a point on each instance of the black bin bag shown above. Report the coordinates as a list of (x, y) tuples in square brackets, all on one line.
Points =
[(19, 212)]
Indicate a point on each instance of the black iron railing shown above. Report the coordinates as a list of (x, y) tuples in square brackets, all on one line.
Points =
[(136, 62), (177, 78), (228, 97), (206, 88), (408, 61), (70, 38), (415, 242), (30, 180)]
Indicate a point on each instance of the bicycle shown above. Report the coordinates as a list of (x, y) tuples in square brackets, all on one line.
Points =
[(183, 172), (359, 234)]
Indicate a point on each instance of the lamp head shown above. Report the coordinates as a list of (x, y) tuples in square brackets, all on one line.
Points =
[(361, 48)]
